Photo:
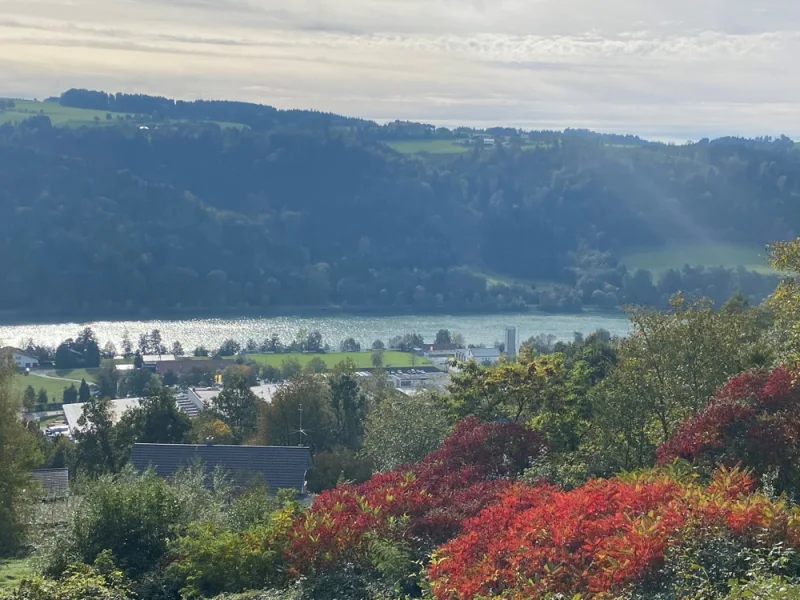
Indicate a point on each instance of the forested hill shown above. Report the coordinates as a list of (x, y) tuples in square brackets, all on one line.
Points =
[(164, 209)]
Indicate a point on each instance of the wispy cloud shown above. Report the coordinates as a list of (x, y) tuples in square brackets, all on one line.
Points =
[(686, 68)]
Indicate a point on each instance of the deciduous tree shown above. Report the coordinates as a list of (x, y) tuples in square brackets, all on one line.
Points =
[(299, 414), (403, 429), (238, 406), (18, 456)]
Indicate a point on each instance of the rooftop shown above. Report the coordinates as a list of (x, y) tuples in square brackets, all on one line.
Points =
[(54, 482), (156, 358), (483, 352), (265, 392), (279, 467), (73, 412)]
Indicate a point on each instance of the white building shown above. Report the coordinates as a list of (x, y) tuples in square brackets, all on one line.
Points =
[(153, 359), (117, 408), (21, 360), (202, 397), (482, 356)]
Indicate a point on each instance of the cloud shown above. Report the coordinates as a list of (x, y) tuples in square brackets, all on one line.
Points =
[(687, 68)]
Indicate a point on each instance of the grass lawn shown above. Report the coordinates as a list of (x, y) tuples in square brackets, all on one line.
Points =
[(12, 571), (90, 375), (429, 146), (710, 255), (362, 360), (75, 117), (54, 387)]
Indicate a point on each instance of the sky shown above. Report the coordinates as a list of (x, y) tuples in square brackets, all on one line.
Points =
[(666, 69)]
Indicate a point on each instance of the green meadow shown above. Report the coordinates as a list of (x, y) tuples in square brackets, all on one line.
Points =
[(66, 116), (428, 146), (708, 254), (362, 360)]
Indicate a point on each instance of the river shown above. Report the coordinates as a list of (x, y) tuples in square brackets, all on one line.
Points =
[(476, 329)]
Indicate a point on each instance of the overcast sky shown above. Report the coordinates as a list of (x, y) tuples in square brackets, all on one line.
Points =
[(671, 69)]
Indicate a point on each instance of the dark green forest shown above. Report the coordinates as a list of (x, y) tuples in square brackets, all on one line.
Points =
[(306, 209)]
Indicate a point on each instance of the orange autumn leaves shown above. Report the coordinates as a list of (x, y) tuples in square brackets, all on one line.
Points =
[(601, 537), (481, 533)]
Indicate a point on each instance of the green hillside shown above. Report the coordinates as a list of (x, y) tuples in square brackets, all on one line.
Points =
[(67, 116)]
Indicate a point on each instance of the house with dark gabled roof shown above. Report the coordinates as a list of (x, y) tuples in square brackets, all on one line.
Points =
[(277, 467)]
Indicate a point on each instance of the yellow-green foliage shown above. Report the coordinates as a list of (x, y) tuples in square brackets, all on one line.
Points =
[(765, 588), (212, 558), (103, 581), (785, 302), (19, 454)]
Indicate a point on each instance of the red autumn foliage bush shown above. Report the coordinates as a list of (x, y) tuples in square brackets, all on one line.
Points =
[(599, 538), (753, 420), (422, 505)]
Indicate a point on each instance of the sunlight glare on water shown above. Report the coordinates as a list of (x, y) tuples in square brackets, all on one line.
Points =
[(476, 329)]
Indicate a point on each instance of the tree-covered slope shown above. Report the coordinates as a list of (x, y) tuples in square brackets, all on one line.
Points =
[(309, 209)]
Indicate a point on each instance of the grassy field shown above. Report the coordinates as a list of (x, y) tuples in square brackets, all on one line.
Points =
[(428, 146), (710, 255), (90, 375), (362, 360), (54, 387), (493, 278), (59, 115), (13, 571), (74, 117)]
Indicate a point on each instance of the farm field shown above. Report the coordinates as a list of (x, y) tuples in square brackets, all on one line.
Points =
[(710, 255), (59, 115), (362, 360), (428, 146), (74, 117)]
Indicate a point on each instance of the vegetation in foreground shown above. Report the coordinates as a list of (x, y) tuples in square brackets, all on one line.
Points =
[(13, 571), (661, 466)]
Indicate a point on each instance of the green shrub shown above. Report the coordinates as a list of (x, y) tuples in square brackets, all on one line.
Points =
[(131, 515), (340, 464), (709, 565), (765, 588), (103, 581), (211, 559)]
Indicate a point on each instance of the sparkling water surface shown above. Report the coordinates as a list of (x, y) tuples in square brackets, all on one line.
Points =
[(476, 329)]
